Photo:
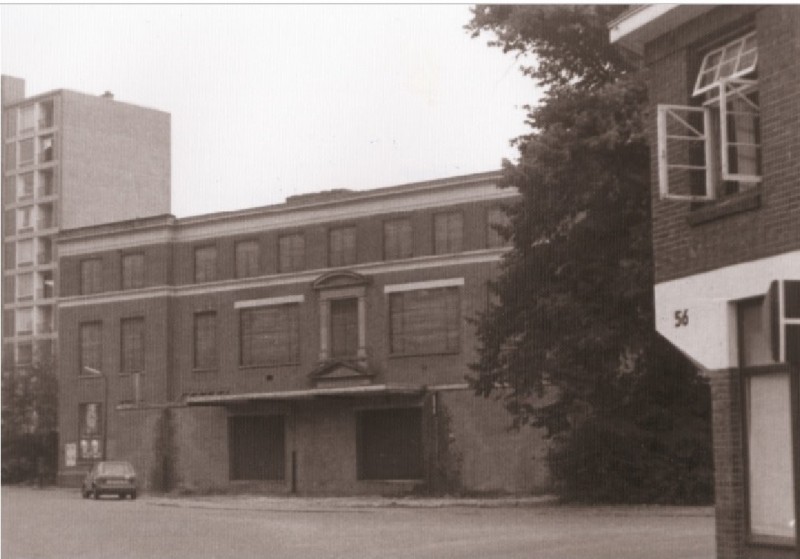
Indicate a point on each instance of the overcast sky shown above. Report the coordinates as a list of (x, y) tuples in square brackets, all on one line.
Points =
[(270, 101)]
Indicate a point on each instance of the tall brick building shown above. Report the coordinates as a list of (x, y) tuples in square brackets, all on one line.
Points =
[(69, 160), (724, 88), (316, 346)]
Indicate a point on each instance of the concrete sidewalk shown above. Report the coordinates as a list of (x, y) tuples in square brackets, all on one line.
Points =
[(273, 503)]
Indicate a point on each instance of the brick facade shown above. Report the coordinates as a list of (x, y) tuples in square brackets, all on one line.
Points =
[(465, 445), (714, 258), (770, 228)]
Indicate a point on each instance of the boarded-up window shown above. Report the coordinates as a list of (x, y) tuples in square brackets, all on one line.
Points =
[(425, 321), (389, 444), (91, 276), (205, 264), (397, 239), (205, 340), (270, 335), (257, 447), (344, 327), (247, 259), (448, 232), (342, 246), (291, 253), (91, 350), (132, 271)]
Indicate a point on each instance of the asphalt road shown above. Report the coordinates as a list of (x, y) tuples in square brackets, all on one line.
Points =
[(56, 523)]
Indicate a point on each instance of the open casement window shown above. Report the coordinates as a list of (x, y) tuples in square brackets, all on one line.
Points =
[(685, 153), (740, 145), (713, 148)]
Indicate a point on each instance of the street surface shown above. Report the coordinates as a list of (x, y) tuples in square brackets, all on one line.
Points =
[(57, 523)]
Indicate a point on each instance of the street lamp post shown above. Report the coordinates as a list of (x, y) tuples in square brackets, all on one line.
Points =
[(105, 404)]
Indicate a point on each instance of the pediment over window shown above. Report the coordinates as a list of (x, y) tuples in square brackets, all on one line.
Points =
[(340, 279), (341, 373)]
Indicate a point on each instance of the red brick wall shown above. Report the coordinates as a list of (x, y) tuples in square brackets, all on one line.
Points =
[(682, 249)]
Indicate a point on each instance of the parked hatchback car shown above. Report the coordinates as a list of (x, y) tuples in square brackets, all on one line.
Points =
[(110, 478)]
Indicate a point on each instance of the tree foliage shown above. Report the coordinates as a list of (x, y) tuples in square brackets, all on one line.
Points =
[(29, 422), (570, 331)]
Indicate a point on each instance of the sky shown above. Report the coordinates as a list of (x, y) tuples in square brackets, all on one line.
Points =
[(275, 100)]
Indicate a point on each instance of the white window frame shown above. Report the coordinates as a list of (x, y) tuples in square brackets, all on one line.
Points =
[(693, 134), (720, 90), (736, 45), (727, 89)]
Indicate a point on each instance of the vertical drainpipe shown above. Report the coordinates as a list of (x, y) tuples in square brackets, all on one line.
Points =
[(293, 424)]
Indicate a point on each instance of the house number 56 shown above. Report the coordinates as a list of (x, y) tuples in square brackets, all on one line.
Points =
[(681, 318)]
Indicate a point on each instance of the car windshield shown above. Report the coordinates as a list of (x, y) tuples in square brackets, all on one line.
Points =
[(115, 469)]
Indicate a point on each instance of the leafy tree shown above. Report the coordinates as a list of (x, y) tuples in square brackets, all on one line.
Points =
[(570, 331), (29, 422)]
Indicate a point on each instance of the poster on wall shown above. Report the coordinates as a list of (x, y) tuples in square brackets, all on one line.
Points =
[(70, 454)]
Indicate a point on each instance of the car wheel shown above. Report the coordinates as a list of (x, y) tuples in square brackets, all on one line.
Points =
[(120, 495), (133, 495)]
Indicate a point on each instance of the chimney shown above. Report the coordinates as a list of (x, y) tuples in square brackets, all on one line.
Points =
[(108, 95)]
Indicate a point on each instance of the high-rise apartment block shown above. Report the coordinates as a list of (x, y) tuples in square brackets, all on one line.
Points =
[(69, 160)]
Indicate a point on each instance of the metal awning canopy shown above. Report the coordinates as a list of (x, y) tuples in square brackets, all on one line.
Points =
[(307, 394)]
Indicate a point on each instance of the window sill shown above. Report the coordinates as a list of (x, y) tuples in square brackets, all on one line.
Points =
[(202, 371), (267, 366), (730, 205)]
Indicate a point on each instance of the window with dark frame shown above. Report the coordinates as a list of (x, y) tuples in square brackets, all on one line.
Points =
[(205, 340), (291, 253), (397, 239), (448, 232), (425, 321), (344, 327), (132, 345), (205, 264), (246, 254), (342, 246), (91, 348), (91, 276), (270, 336), (133, 271)]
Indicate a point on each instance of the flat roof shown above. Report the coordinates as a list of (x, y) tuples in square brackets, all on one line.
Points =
[(641, 24)]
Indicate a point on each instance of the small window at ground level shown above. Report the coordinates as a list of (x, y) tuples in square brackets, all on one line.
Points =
[(257, 445), (389, 444)]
